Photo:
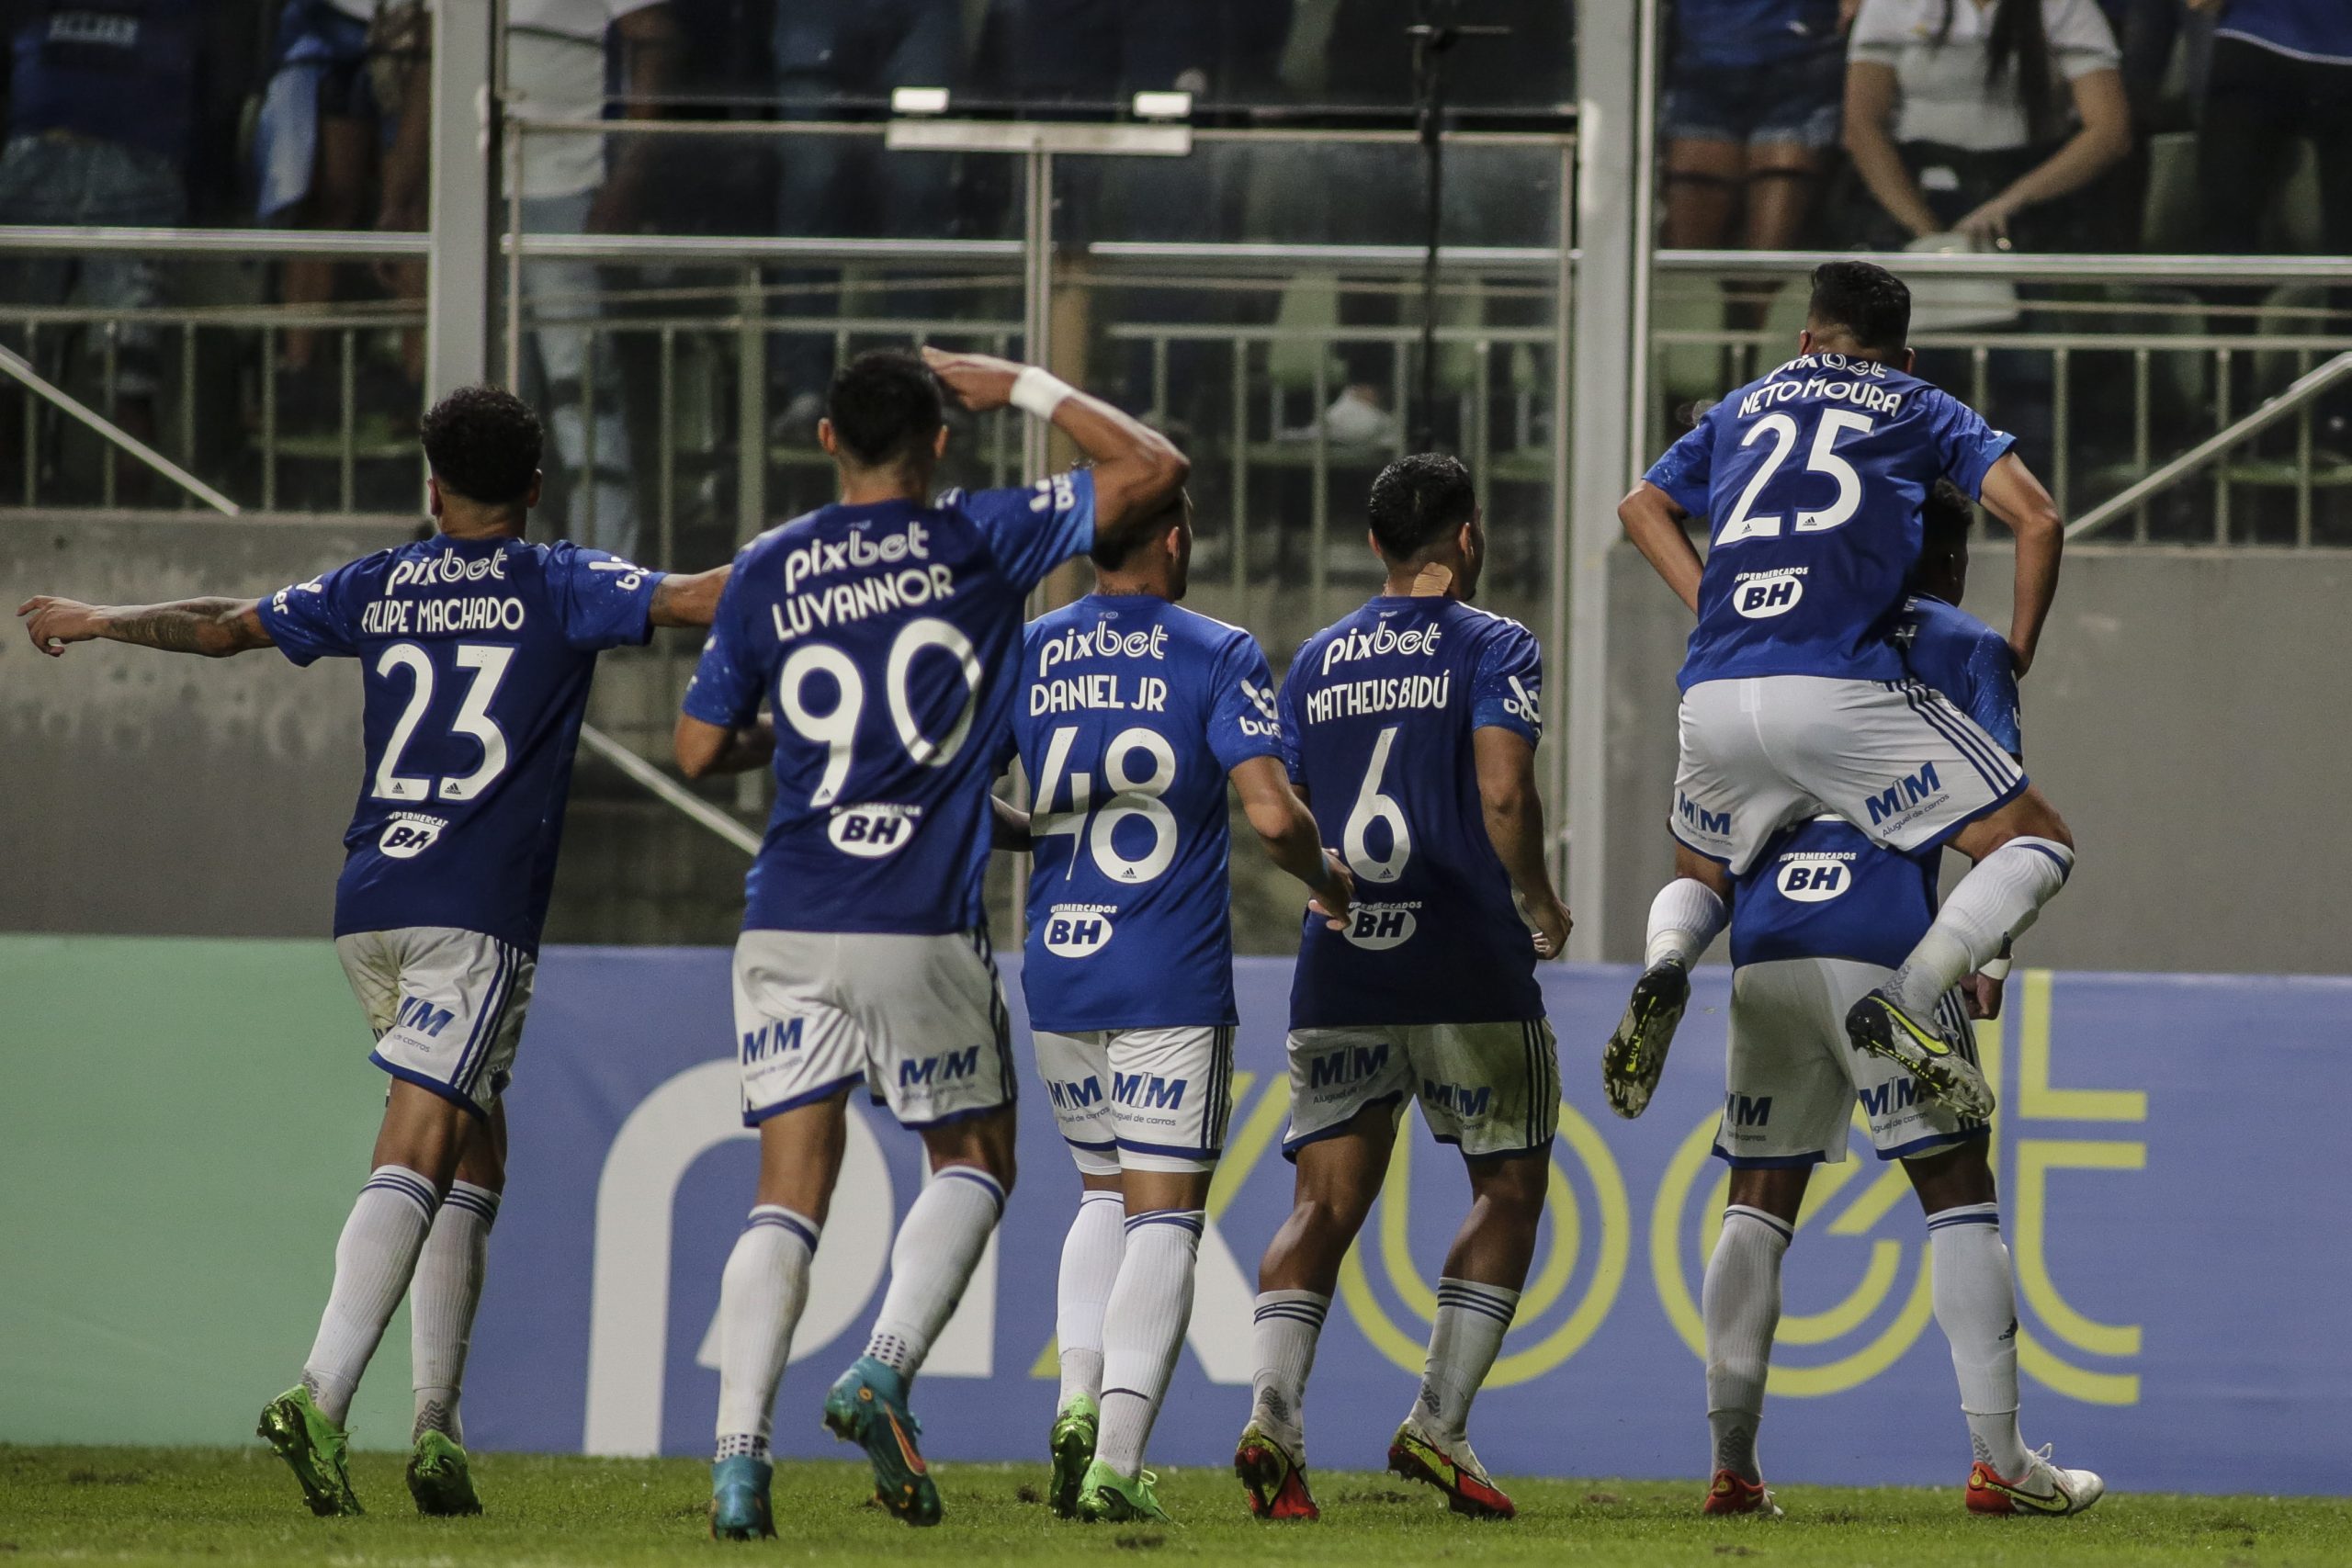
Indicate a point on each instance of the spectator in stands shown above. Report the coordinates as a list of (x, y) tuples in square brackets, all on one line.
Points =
[(318, 146), (2281, 69), (559, 56), (1753, 91), (102, 102), (828, 52), (1954, 121)]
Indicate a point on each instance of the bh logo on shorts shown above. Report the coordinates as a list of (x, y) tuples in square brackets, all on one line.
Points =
[(873, 832), (1815, 878), (410, 833), (1378, 926), (1762, 595), (1078, 930)]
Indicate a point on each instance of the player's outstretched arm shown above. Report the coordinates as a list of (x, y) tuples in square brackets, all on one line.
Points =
[(1653, 520), (705, 748), (2011, 493), (213, 627), (1514, 812), (1137, 472), (1287, 828), (688, 599)]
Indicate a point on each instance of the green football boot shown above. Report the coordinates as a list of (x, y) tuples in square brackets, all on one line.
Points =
[(1073, 1449), (316, 1450), (1106, 1497), (868, 1406), (1940, 1059), (438, 1478), (739, 1499)]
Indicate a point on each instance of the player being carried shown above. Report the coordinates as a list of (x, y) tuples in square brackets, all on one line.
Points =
[(1795, 700), (1819, 920), (1414, 722), (1132, 714), (476, 650), (884, 631)]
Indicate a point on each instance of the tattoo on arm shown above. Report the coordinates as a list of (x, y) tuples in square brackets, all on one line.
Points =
[(214, 627)]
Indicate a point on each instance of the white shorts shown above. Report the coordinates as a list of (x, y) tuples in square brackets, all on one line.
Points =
[(1894, 758), (1140, 1099), (1793, 1077), (445, 1007), (1493, 1088), (919, 1019)]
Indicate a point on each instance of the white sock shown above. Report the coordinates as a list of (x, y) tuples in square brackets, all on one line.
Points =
[(1091, 1256), (1149, 1308), (1472, 1319), (1684, 918), (1976, 1306), (1741, 1304), (1287, 1325), (1997, 901), (760, 1298), (931, 1261), (441, 1302), (373, 1262)]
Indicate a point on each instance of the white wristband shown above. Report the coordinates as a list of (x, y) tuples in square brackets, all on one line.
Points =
[(1038, 392), (1994, 968)]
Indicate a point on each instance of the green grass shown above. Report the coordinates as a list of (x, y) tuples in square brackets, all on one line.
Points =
[(218, 1505)]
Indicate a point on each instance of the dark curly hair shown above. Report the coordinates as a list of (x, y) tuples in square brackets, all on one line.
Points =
[(1868, 302), (484, 444), (885, 406), (1417, 501)]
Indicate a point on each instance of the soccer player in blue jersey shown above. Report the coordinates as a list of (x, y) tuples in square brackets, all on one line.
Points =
[(1795, 700), (884, 631), (1132, 714), (1412, 723), (476, 649), (1817, 923)]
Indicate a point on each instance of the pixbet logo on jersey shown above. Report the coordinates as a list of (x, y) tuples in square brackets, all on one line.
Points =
[(1102, 640), (410, 833), (1078, 930), (1357, 643), (872, 832), (1815, 877), (446, 568), (1760, 595), (820, 557)]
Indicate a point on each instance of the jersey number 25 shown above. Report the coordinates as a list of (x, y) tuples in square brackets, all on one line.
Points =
[(1822, 460)]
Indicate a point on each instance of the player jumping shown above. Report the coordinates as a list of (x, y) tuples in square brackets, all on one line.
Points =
[(1817, 924), (1795, 700), (1132, 714), (884, 632), (476, 650), (1414, 721)]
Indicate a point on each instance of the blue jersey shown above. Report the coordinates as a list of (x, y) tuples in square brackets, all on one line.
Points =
[(1742, 33), (1813, 479), (1822, 890), (475, 656), (886, 639), (1376, 716), (2308, 29), (1968, 661), (1131, 714)]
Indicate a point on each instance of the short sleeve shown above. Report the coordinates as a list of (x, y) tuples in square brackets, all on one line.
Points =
[(1688, 467), (2081, 41), (1245, 718), (605, 601), (1882, 30), (1507, 690), (1286, 720), (1968, 445), (727, 685), (318, 619), (1993, 692), (1032, 531)]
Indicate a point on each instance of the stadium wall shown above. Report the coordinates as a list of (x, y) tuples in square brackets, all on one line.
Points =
[(185, 1122), (2182, 714)]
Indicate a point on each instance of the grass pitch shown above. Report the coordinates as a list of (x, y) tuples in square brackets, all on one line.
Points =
[(221, 1506)]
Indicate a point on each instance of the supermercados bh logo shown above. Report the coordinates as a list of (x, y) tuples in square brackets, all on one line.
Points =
[(1378, 926), (1814, 877), (410, 833), (1078, 930), (1857, 1278), (1387, 1279), (1760, 595), (872, 832)]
